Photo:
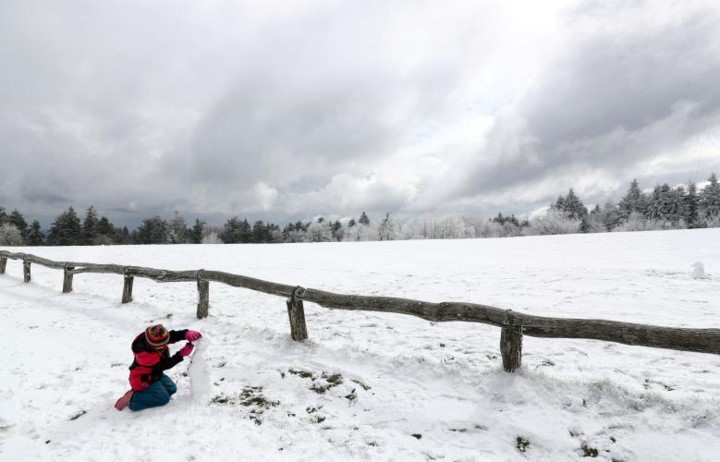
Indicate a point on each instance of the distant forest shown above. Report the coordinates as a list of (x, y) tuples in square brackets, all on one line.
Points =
[(663, 208)]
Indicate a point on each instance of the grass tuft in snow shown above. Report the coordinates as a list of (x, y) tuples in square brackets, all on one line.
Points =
[(331, 381), (588, 451), (522, 444)]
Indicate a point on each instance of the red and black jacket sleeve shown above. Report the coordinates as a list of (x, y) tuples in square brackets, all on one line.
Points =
[(166, 361)]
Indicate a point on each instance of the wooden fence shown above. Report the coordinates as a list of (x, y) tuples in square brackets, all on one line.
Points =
[(513, 324)]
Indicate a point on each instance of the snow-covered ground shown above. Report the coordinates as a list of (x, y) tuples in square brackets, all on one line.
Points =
[(369, 386)]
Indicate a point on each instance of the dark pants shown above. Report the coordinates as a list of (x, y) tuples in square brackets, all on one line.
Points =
[(157, 394)]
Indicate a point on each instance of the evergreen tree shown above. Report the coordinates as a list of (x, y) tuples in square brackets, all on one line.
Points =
[(676, 205), (632, 202), (236, 231), (66, 229), (500, 219), (710, 198), (104, 227), (90, 226), (337, 231), (574, 206), (35, 236), (246, 233), (196, 234), (122, 236), (364, 220), (16, 219), (152, 231), (259, 232), (656, 210), (351, 223), (692, 205), (273, 233), (611, 215)]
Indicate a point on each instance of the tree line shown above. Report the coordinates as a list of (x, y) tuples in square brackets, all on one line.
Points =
[(663, 208)]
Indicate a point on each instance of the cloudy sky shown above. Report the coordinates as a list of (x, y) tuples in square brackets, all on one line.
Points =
[(281, 110)]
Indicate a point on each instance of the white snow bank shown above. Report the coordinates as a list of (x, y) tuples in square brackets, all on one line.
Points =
[(368, 385)]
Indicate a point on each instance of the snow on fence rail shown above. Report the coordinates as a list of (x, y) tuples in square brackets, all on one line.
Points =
[(513, 324)]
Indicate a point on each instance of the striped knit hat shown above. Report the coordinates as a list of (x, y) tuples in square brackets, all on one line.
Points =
[(157, 336)]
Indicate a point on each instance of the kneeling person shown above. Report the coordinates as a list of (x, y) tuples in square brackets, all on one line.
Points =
[(150, 386)]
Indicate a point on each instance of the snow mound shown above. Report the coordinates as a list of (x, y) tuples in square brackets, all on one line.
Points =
[(698, 271)]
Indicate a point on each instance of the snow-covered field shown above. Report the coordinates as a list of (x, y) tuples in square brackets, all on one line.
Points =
[(369, 386)]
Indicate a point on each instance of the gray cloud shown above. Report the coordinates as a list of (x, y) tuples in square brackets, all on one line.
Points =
[(320, 108)]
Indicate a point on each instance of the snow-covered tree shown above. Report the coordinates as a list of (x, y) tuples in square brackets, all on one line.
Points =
[(573, 208), (16, 219), (387, 231), (337, 231), (320, 231), (211, 238), (637, 222), (364, 220), (10, 235), (710, 198), (658, 203), (691, 205), (361, 232), (633, 201), (554, 221), (676, 205), (178, 230)]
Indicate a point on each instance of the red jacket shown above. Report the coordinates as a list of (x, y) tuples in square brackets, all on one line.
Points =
[(150, 363)]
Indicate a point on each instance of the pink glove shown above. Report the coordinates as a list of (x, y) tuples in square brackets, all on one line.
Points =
[(187, 349), (192, 335)]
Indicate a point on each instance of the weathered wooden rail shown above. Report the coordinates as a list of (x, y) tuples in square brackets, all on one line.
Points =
[(513, 324)]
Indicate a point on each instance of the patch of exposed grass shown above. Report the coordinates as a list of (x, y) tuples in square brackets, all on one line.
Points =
[(302, 374), (588, 451), (522, 444), (250, 397)]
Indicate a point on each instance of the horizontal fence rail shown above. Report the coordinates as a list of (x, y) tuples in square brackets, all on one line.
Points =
[(513, 324)]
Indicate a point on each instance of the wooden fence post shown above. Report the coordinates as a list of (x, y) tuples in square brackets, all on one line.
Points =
[(127, 288), (3, 264), (511, 343), (67, 278), (26, 270), (296, 313), (203, 297)]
